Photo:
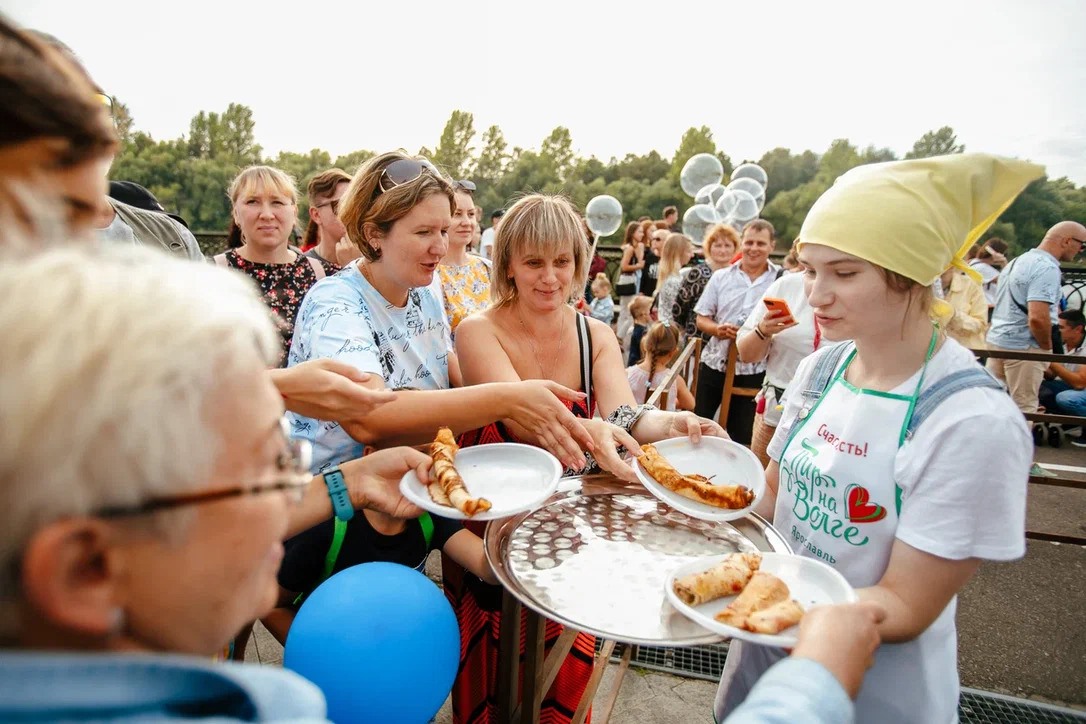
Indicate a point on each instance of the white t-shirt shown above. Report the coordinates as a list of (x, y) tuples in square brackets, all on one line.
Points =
[(344, 318), (959, 500), (638, 379), (989, 277), (486, 243), (788, 348)]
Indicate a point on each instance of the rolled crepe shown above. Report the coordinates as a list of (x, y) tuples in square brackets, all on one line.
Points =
[(776, 618), (448, 487), (696, 487), (763, 590), (726, 578)]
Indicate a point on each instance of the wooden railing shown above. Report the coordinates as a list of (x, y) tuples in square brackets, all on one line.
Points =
[(730, 390), (1051, 479)]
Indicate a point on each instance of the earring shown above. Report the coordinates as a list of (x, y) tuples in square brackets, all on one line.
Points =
[(117, 621)]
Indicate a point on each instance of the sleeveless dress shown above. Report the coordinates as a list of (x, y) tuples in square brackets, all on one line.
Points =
[(478, 608)]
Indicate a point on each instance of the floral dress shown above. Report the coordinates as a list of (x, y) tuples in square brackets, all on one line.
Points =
[(466, 289), (283, 287)]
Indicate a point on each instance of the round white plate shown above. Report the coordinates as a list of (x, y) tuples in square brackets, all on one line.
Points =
[(811, 582), (723, 461), (513, 477)]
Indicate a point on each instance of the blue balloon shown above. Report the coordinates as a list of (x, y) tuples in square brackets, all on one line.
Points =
[(380, 641)]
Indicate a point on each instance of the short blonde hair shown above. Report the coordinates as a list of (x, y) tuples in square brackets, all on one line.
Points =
[(538, 224), (113, 362), (256, 178), (601, 282)]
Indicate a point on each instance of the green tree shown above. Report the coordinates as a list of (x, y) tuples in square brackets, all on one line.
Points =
[(787, 170), (877, 155), (694, 141), (936, 143), (122, 119), (453, 153), (557, 150), (352, 161), (236, 130), (493, 158)]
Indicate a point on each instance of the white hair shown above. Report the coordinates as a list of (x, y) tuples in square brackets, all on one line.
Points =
[(111, 359)]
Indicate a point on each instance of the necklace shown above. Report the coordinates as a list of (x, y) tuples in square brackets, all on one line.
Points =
[(535, 352)]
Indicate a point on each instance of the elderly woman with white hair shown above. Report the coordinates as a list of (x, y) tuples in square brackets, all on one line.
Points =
[(146, 481)]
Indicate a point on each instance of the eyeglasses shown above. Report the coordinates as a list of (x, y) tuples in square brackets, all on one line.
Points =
[(106, 101), (293, 478), (403, 172), (334, 203), (466, 185)]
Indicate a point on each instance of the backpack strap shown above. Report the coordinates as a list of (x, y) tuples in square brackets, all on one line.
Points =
[(427, 525), (220, 259), (823, 373), (931, 398), (316, 266), (339, 532)]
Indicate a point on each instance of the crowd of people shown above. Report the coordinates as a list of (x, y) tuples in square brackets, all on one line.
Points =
[(186, 442)]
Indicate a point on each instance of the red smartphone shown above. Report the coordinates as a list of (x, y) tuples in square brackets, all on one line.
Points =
[(778, 305)]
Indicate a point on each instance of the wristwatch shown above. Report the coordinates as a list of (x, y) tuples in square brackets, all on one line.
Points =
[(337, 491)]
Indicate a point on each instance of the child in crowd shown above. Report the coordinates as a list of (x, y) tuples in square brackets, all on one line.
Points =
[(317, 553), (659, 346), (602, 306), (640, 310)]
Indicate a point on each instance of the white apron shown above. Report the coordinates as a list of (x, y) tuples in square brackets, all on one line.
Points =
[(837, 502)]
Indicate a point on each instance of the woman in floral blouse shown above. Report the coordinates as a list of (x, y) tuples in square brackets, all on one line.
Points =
[(265, 203), (465, 278)]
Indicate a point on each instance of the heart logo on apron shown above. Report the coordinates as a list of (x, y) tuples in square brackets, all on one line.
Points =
[(860, 510)]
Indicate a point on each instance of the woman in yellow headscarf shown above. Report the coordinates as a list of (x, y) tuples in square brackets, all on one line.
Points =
[(874, 467)]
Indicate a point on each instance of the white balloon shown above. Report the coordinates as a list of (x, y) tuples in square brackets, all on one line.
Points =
[(746, 208), (726, 204), (700, 171), (751, 171), (710, 194), (752, 187), (697, 220), (603, 215)]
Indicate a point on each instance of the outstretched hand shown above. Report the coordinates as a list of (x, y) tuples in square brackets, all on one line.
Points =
[(327, 389), (374, 481)]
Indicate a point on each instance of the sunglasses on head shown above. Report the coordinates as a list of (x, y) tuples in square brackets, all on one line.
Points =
[(403, 172), (466, 185)]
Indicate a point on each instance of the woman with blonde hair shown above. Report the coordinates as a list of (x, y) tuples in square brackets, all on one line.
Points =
[(324, 230), (677, 252), (265, 212), (465, 278), (382, 316), (719, 246), (532, 332)]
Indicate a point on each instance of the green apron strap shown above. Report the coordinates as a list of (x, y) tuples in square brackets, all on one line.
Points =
[(912, 407), (427, 525)]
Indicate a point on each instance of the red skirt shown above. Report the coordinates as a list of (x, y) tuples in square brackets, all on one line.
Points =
[(478, 611)]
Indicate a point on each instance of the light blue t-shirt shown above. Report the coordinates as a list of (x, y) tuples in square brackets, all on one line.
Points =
[(1034, 277), (344, 318), (128, 688)]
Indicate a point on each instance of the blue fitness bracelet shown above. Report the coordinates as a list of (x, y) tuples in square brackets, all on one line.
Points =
[(337, 491)]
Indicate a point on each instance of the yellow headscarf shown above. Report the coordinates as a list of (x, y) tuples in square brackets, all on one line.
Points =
[(917, 217)]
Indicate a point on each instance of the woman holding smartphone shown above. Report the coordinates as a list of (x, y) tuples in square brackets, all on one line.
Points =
[(875, 468), (780, 331)]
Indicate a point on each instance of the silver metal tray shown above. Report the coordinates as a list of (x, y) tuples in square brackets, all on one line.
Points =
[(596, 558)]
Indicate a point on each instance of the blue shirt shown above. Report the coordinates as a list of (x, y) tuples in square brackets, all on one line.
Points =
[(1034, 277), (78, 687), (795, 690), (344, 318)]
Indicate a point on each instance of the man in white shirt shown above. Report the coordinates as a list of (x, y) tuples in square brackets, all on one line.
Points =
[(486, 246), (724, 306)]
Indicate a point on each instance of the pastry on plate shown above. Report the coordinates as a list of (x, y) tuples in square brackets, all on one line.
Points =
[(695, 487), (774, 619), (447, 487), (763, 590), (726, 578)]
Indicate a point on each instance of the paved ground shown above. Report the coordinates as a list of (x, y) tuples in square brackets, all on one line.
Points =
[(1022, 625)]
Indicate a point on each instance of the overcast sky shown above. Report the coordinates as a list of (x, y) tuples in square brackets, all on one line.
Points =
[(630, 76)]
